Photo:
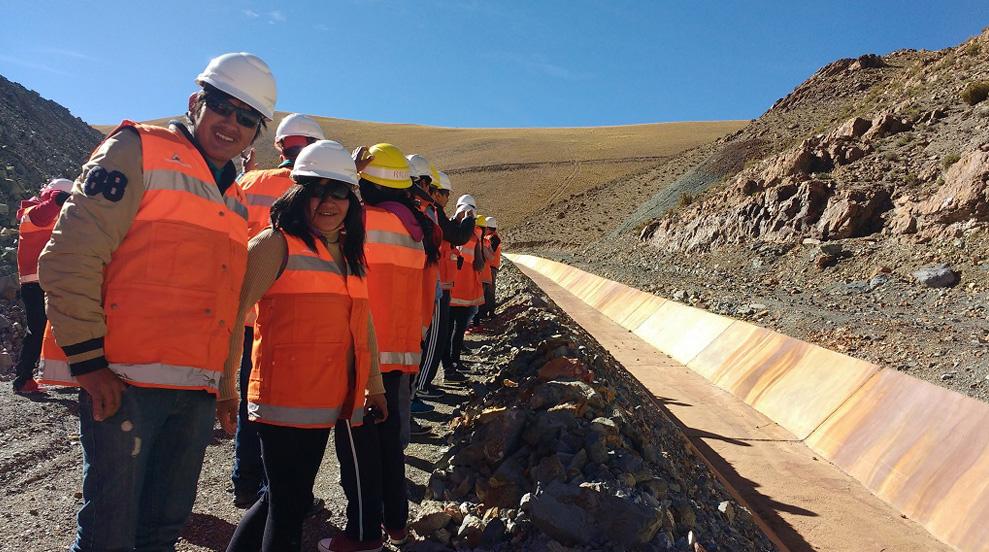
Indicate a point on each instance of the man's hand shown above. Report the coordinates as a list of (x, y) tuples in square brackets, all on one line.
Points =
[(249, 159), (106, 389), (226, 413), (379, 403)]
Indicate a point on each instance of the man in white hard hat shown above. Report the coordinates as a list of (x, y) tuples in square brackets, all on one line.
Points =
[(143, 276), (261, 189), (37, 218)]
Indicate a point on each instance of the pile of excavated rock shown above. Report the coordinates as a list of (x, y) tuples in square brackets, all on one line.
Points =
[(559, 449)]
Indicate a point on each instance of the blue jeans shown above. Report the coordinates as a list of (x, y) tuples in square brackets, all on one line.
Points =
[(141, 468), (248, 472)]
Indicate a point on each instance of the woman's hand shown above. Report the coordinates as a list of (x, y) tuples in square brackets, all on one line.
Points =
[(378, 403), (362, 158)]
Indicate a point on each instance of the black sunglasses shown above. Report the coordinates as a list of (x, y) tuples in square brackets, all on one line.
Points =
[(335, 190), (246, 117)]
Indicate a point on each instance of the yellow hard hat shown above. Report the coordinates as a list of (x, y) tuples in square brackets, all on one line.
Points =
[(389, 168), (480, 220)]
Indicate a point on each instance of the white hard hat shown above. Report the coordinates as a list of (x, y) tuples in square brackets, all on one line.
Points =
[(326, 159), (444, 183), (245, 77), (490, 222), (418, 165), (467, 199), (60, 184), (298, 124)]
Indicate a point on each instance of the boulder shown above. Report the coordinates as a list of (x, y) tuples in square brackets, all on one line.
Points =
[(852, 128), (431, 517), (938, 276), (885, 124), (471, 531), (557, 392), (565, 368)]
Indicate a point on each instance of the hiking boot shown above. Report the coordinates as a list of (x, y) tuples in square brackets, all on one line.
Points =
[(342, 543), (419, 407)]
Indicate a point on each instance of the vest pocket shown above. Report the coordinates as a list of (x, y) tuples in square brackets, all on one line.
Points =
[(188, 257)]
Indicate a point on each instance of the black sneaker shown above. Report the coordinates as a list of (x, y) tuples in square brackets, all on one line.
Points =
[(419, 429), (454, 377), (430, 393)]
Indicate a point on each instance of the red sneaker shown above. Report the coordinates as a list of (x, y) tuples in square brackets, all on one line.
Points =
[(30, 387), (342, 543)]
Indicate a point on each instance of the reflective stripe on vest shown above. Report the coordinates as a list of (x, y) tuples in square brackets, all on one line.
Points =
[(172, 287), (30, 241), (53, 364), (311, 331), (394, 278), (261, 189)]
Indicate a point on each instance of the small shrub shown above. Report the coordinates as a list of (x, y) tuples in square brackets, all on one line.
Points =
[(904, 140), (685, 199), (973, 49), (891, 156), (912, 180), (949, 160), (975, 92)]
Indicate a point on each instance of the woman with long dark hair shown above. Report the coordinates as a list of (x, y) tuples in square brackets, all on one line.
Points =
[(314, 355), (400, 243)]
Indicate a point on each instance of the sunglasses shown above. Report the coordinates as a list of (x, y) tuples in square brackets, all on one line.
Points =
[(333, 190), (246, 117)]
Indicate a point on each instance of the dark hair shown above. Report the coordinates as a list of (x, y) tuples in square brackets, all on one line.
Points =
[(212, 90), (289, 214), (374, 194)]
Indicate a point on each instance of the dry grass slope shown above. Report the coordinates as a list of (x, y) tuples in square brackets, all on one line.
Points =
[(518, 172)]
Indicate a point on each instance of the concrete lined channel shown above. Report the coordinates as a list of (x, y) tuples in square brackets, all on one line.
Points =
[(829, 452)]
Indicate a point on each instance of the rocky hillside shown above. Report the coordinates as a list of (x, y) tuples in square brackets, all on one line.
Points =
[(39, 140), (853, 213)]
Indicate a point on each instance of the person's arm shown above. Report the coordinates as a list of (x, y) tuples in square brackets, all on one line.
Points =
[(456, 232), (375, 385), (266, 257), (97, 216)]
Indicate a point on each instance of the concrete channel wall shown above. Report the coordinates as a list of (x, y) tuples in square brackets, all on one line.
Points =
[(921, 448)]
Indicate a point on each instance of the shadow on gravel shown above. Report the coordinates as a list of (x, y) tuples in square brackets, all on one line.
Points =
[(419, 463), (208, 531)]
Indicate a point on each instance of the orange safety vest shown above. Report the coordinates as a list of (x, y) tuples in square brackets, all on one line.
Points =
[(467, 290), (496, 260), (394, 280), (447, 265), (53, 363), (308, 323), (31, 241), (172, 287), (261, 189)]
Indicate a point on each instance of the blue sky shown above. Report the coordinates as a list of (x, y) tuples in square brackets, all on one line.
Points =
[(466, 63)]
